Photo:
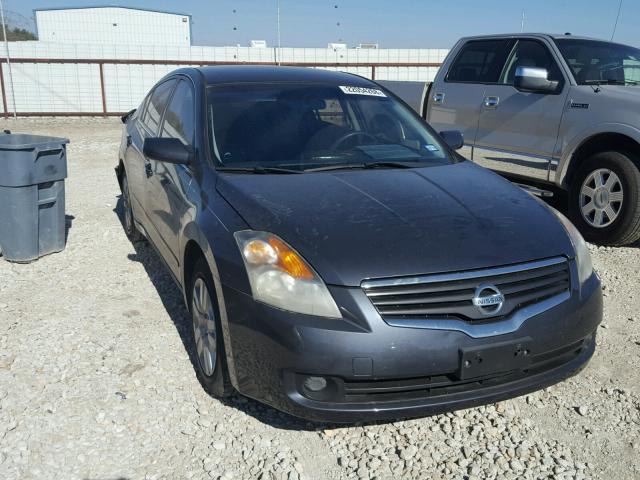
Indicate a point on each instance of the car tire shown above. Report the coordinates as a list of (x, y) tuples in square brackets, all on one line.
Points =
[(208, 344), (129, 223), (604, 199)]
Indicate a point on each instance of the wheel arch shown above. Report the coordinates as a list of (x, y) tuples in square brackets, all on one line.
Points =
[(120, 172), (620, 141), (196, 246)]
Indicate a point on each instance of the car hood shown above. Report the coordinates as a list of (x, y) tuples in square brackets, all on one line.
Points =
[(363, 224)]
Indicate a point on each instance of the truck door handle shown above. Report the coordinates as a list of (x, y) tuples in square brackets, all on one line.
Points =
[(491, 102), (438, 98)]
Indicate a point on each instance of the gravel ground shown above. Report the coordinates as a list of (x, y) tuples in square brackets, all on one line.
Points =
[(96, 381)]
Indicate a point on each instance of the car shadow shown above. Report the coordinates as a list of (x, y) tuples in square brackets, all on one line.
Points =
[(173, 303), (68, 223)]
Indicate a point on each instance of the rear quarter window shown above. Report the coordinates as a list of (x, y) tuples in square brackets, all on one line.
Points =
[(479, 61), (156, 105)]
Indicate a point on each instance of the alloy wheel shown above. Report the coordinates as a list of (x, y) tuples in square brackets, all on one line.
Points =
[(204, 327), (601, 198)]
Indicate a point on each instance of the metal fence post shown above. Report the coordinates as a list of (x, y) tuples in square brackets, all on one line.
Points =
[(4, 95), (104, 96)]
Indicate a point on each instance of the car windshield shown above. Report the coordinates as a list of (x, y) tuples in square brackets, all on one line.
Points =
[(594, 62), (293, 127)]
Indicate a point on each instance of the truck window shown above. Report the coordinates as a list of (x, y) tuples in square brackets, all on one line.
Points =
[(530, 53), (593, 61), (479, 61)]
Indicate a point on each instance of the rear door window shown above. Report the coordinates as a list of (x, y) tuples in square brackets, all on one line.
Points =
[(179, 121), (480, 61), (157, 103)]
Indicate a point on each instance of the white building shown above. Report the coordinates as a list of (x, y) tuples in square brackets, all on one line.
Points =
[(99, 60), (111, 25)]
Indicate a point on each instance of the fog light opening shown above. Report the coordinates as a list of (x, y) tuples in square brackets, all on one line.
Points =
[(315, 384)]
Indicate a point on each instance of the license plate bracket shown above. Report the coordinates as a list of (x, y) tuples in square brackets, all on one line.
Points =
[(494, 358)]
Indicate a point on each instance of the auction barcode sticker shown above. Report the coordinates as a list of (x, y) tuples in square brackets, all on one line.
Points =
[(373, 92)]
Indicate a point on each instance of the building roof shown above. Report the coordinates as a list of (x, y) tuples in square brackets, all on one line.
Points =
[(88, 7)]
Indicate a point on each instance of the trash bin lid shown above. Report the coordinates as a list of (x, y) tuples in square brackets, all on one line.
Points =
[(26, 141), (27, 159)]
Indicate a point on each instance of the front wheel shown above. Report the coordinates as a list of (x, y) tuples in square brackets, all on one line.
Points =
[(605, 199), (211, 365), (130, 228)]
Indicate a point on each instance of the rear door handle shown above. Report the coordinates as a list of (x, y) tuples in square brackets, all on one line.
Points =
[(491, 102), (147, 169), (438, 98)]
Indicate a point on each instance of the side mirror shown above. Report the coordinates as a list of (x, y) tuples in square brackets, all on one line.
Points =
[(168, 150), (534, 80), (453, 138)]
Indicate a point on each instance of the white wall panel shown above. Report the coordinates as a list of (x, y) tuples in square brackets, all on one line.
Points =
[(42, 87), (75, 87)]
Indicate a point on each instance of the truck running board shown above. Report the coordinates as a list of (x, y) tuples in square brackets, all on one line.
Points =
[(538, 192)]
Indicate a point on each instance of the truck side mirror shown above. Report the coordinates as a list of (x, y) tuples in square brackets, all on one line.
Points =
[(534, 80)]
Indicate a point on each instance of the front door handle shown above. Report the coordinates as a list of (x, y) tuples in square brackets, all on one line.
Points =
[(438, 98), (491, 102), (128, 140), (147, 169)]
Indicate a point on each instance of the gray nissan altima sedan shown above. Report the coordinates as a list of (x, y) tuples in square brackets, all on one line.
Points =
[(339, 259)]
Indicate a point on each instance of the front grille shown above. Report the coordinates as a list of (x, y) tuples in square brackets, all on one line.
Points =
[(450, 296)]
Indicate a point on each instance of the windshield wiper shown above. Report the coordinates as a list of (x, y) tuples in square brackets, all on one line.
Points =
[(258, 170), (611, 81), (362, 166)]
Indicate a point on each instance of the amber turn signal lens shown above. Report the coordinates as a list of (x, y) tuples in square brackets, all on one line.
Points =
[(289, 261)]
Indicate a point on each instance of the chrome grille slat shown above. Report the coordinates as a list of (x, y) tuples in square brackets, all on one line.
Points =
[(472, 283), (450, 295), (428, 298)]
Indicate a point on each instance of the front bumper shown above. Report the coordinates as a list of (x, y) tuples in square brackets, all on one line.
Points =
[(377, 371)]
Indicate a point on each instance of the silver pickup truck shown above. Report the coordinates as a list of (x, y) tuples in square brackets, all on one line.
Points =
[(551, 111)]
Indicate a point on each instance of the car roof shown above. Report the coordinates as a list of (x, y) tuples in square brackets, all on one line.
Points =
[(271, 73), (534, 34)]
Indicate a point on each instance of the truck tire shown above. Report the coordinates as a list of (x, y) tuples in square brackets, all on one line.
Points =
[(604, 199), (210, 358)]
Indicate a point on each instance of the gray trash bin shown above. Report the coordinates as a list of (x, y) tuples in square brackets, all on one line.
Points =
[(32, 173)]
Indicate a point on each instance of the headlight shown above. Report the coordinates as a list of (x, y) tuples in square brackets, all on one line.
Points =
[(583, 257), (280, 277)]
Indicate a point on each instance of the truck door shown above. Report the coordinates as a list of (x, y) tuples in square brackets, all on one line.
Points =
[(456, 95), (517, 131)]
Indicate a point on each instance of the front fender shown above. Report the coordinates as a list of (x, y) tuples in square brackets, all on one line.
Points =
[(574, 143), (192, 232), (212, 230)]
